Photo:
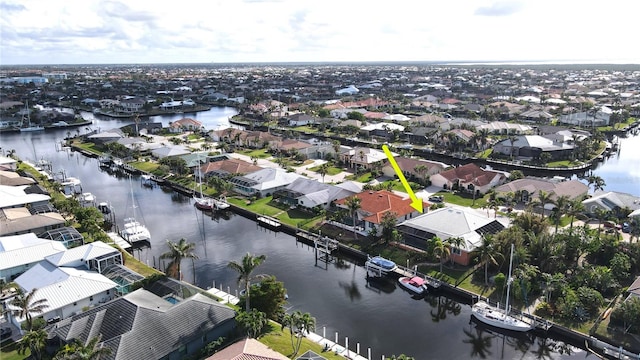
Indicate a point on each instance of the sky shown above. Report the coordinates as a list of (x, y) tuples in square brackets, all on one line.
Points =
[(228, 31)]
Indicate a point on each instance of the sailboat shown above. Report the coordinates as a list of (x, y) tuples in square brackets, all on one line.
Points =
[(206, 203), (500, 318), (27, 115), (133, 230)]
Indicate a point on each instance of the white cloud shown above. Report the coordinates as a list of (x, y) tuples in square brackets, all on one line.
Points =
[(146, 31)]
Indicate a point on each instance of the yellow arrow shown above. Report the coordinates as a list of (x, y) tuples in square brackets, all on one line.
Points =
[(416, 203)]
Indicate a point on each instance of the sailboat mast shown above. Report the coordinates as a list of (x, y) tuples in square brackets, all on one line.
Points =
[(509, 279)]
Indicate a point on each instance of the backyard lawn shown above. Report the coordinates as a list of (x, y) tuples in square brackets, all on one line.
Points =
[(331, 170), (259, 153), (280, 341)]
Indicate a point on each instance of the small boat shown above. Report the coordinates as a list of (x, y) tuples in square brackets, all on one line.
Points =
[(133, 230), (203, 203), (500, 318), (416, 284), (379, 266)]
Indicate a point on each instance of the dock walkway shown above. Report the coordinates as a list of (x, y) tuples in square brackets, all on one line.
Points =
[(226, 297), (118, 240), (334, 348)]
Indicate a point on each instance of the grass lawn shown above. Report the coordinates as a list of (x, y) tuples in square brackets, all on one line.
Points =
[(9, 352), (363, 178), (259, 153), (463, 277), (137, 266), (146, 166), (280, 341), (331, 170), (260, 206), (90, 147), (485, 154), (397, 186), (562, 164), (463, 200), (306, 129)]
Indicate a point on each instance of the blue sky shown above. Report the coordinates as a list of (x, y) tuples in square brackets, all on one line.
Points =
[(188, 31)]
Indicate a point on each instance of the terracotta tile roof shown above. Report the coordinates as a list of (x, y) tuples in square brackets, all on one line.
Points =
[(409, 164), (290, 144), (469, 173), (247, 349), (186, 122), (376, 203), (230, 166)]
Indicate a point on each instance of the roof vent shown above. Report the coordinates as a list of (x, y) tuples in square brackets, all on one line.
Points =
[(370, 192)]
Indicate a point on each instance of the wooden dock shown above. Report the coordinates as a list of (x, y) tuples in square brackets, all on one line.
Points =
[(118, 240), (268, 222)]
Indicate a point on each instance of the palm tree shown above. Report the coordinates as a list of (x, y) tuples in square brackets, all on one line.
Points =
[(455, 242), (178, 251), (480, 343), (487, 253), (562, 202), (354, 204), (93, 350), (25, 306), (245, 272), (323, 170), (440, 249), (575, 208), (512, 140), (544, 198), (421, 170), (35, 341), (597, 182), (298, 324)]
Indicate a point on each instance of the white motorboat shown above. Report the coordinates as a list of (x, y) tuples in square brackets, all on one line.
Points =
[(500, 318), (133, 231), (415, 284)]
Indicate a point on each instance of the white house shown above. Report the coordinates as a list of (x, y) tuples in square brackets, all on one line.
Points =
[(263, 182), (19, 253), (349, 90), (67, 290)]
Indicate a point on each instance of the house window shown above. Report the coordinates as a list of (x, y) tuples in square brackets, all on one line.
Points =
[(107, 292), (75, 303), (456, 251), (90, 298)]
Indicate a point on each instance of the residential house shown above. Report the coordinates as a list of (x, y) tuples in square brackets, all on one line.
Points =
[(611, 201), (131, 105), (247, 349), (228, 167), (311, 194), (431, 121), (532, 146), (421, 135), (169, 151), (106, 137), (66, 235), (96, 256), (185, 124), (409, 165), (7, 163), (362, 157), (529, 188), (447, 223), (17, 197), (504, 128), (301, 119), (597, 117), (228, 134), (634, 289), (67, 290), (469, 177), (16, 221), (142, 325), (263, 182), (12, 178), (18, 253), (374, 205), (381, 129)]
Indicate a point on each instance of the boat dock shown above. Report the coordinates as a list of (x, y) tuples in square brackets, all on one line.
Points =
[(225, 297), (118, 240), (269, 222)]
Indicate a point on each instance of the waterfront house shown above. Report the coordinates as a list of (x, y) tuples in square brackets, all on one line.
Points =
[(67, 290), (106, 137), (131, 105), (141, 325), (263, 182), (19, 220), (373, 206), (469, 178), (381, 129), (66, 235), (528, 189), (504, 128), (18, 253), (169, 151), (409, 165), (226, 168), (301, 119), (12, 178), (310, 194), (532, 146), (446, 223), (96, 256), (185, 124), (7, 163), (249, 349), (611, 201)]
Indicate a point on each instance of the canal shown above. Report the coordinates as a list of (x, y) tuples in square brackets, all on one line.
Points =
[(377, 315)]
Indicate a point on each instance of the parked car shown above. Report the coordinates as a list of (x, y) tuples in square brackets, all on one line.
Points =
[(5, 333), (626, 228), (611, 225), (436, 198)]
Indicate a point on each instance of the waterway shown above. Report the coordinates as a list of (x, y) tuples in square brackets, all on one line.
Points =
[(377, 315)]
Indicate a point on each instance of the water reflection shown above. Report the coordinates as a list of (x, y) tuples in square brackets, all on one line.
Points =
[(441, 307)]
